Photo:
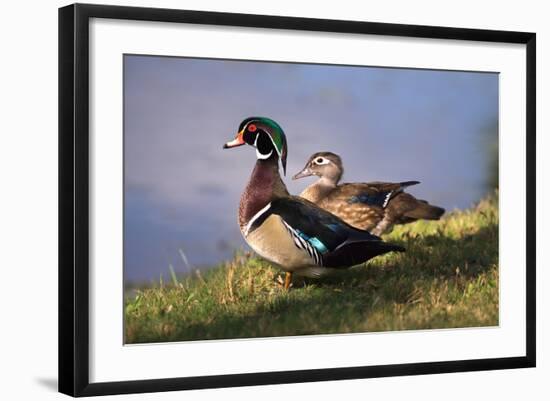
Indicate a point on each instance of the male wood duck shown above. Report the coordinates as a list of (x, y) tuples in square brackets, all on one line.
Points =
[(373, 206), (287, 230)]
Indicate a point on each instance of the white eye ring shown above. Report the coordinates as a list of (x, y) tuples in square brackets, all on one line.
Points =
[(321, 160)]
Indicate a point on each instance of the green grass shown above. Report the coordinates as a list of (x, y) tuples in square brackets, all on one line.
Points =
[(447, 278)]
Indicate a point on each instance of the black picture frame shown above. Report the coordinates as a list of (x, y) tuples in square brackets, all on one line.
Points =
[(74, 198)]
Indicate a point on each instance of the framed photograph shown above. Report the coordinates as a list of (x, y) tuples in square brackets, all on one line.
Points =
[(251, 199)]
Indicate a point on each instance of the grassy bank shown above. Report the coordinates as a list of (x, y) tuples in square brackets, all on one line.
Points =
[(447, 278)]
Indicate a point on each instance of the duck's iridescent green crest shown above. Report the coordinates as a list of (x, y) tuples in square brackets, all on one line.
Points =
[(252, 127)]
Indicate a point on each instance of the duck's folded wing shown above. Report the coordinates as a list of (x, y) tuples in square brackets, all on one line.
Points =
[(374, 193), (323, 231), (314, 222), (331, 241)]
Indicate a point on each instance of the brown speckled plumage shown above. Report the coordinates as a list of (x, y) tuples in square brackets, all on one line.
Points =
[(337, 198), (361, 215)]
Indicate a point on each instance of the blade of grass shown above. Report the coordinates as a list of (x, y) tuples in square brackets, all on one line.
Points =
[(185, 261), (173, 275)]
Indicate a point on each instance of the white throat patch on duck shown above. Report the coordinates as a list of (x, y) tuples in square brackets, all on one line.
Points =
[(262, 156)]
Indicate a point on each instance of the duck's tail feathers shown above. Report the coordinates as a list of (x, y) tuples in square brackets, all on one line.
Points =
[(406, 184), (355, 253), (424, 210)]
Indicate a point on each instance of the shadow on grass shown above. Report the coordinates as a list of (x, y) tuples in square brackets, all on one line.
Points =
[(427, 257), (418, 289)]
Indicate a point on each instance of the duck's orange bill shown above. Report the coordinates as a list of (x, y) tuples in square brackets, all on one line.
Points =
[(238, 141)]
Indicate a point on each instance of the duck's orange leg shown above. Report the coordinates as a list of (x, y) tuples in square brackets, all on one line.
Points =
[(288, 280)]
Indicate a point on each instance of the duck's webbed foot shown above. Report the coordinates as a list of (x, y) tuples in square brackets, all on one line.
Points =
[(287, 282)]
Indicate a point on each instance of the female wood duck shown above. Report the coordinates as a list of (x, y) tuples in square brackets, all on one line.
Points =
[(373, 206), (287, 230)]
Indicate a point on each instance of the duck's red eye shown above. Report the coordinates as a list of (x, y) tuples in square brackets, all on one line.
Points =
[(251, 128)]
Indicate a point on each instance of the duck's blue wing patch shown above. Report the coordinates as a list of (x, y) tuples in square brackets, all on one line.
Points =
[(372, 199), (379, 193), (312, 245), (314, 241)]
